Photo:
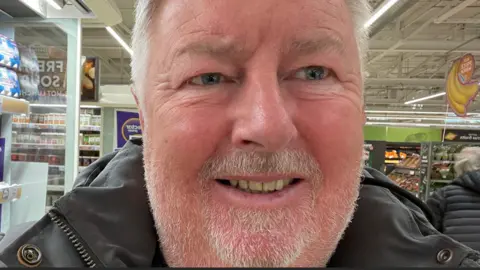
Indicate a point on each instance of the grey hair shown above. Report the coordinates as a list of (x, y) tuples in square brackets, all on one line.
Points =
[(144, 10), (467, 160)]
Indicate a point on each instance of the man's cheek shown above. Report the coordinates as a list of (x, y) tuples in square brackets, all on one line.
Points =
[(335, 135)]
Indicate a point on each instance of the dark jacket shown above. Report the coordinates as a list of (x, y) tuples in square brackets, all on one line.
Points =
[(456, 209), (106, 221)]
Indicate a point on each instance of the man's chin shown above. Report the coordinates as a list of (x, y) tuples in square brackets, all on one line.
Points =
[(261, 238)]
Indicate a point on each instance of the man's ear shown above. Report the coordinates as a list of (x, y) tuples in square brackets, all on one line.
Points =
[(139, 107)]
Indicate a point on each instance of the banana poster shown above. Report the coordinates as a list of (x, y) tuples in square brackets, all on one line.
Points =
[(461, 87)]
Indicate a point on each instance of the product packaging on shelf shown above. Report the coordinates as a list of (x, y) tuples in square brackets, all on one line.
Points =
[(9, 84), (28, 60), (9, 54), (9, 193), (29, 86)]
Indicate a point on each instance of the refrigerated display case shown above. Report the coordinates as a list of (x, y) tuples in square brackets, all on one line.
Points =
[(41, 153), (90, 138)]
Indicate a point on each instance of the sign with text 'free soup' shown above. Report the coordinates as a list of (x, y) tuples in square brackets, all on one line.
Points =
[(127, 127)]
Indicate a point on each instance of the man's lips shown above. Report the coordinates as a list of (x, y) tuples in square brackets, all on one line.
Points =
[(268, 193), (259, 184)]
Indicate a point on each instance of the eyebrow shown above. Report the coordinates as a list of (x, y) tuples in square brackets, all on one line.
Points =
[(218, 49), (311, 46)]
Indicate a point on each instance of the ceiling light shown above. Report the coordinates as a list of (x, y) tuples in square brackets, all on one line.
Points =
[(119, 40), (400, 124), (384, 8), (425, 98), (416, 112), (56, 4)]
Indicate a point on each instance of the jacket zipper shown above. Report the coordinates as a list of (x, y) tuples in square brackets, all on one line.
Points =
[(85, 254)]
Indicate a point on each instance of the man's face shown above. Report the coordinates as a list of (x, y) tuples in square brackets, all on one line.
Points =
[(253, 130)]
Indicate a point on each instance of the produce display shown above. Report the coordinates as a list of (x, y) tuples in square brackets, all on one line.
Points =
[(440, 167), (412, 162), (443, 159), (408, 182), (394, 154), (403, 165)]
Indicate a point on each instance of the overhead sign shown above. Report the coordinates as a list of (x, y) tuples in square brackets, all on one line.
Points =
[(127, 127), (457, 135), (461, 88)]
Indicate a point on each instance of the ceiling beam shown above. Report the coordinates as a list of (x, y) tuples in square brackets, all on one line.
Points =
[(462, 5), (399, 43)]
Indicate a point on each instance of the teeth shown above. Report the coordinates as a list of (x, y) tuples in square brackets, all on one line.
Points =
[(279, 185), (243, 184), (257, 187), (269, 187)]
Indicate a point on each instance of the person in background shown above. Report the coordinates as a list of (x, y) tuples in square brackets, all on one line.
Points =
[(456, 207), (252, 153)]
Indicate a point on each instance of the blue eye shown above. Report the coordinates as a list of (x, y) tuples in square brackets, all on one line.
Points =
[(208, 79), (313, 73)]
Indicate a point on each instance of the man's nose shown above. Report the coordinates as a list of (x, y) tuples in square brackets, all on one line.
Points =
[(262, 121)]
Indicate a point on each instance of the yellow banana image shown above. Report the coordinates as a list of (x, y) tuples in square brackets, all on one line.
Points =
[(453, 87), (458, 108), (459, 95)]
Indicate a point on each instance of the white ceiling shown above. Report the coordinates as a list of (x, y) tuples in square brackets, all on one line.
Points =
[(408, 56)]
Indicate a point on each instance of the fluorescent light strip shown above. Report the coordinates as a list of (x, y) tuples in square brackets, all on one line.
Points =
[(457, 119), (416, 113), (119, 40), (421, 125), (405, 112), (63, 106), (380, 12), (425, 98), (54, 4)]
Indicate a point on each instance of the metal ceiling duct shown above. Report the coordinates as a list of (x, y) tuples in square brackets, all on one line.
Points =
[(17, 9), (391, 15)]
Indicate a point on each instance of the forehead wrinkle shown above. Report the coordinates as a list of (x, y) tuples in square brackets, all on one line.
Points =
[(214, 47)]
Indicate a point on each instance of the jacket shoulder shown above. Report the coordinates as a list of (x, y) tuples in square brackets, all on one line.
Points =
[(392, 228)]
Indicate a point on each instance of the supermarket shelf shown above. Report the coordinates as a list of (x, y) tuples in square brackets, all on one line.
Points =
[(59, 167), (56, 188), (443, 161), (410, 171), (38, 146), (38, 126), (9, 105), (89, 147), (90, 128), (441, 181), (392, 161), (53, 126)]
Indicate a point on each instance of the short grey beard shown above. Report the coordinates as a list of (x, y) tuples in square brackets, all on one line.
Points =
[(176, 247)]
